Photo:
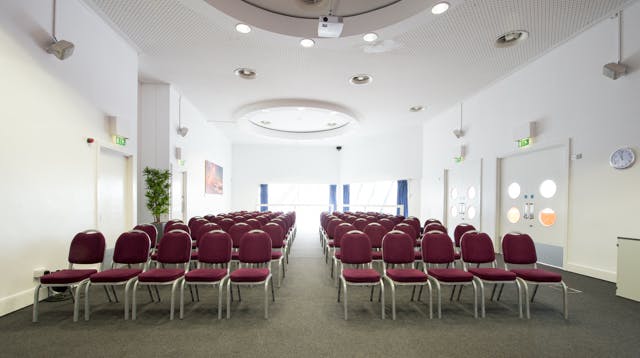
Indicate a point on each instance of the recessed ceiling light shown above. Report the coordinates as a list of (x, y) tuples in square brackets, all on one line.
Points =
[(370, 37), (266, 123), (512, 38), (243, 28), (440, 8), (416, 108), (307, 43), (246, 73), (332, 124), (361, 79)]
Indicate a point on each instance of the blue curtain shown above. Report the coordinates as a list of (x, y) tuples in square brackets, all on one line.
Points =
[(264, 197), (332, 196), (345, 197), (403, 198)]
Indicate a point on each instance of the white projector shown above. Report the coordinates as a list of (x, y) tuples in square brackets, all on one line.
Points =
[(330, 26)]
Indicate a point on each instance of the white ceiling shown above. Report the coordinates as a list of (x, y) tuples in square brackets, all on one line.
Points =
[(429, 60)]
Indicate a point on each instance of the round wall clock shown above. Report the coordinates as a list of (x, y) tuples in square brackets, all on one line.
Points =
[(622, 158)]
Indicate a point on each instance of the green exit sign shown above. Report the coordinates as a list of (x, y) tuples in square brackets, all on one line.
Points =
[(119, 140), (525, 142), (458, 159)]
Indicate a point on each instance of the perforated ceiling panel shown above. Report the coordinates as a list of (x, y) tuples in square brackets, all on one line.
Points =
[(427, 60)]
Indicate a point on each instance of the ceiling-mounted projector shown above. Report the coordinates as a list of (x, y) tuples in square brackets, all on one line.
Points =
[(330, 26), (62, 49), (614, 70)]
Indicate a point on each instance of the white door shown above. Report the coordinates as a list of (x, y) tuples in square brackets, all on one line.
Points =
[(533, 199), (114, 195), (178, 200), (463, 183)]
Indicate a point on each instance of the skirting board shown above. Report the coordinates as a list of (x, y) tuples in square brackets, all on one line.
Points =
[(19, 300), (610, 276)]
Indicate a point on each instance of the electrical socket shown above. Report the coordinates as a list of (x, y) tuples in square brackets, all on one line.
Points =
[(38, 272)]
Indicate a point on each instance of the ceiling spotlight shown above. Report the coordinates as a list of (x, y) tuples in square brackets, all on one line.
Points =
[(243, 28), (62, 49), (416, 109), (306, 43), (332, 124), (511, 38), (266, 123), (440, 8), (370, 37), (361, 79), (246, 73), (182, 131)]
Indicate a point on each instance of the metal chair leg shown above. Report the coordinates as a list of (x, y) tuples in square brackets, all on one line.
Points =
[(106, 291), (113, 289), (533, 295)]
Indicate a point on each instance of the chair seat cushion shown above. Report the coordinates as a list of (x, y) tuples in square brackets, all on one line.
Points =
[(493, 274), (206, 275), (276, 255), (154, 256), (456, 256), (194, 255), (66, 276), (450, 275), (250, 275), (376, 255), (418, 255), (161, 275), (537, 275), (338, 255), (407, 275), (330, 243), (235, 255), (115, 275), (361, 275)]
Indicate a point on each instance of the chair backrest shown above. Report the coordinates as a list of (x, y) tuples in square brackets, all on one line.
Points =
[(255, 224), (215, 247), (196, 223), (375, 232), (519, 249), (414, 222), (255, 247), (431, 221), (397, 248), (339, 232), (435, 227), (281, 222), (203, 229), (355, 248), (460, 230), (177, 226), (174, 221), (387, 224), (132, 247), (175, 247), (87, 247), (276, 234), (407, 229), (226, 223), (437, 248), (331, 226), (236, 231), (210, 217), (194, 219), (360, 223), (477, 247), (151, 231)]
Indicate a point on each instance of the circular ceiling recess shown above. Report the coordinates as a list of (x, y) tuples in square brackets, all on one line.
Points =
[(299, 18), (296, 119)]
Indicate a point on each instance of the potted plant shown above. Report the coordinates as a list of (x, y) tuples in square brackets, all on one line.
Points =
[(158, 193)]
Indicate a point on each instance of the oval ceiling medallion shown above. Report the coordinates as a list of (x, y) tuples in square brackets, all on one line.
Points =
[(296, 119)]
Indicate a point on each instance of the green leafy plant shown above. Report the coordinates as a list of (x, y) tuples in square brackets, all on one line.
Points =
[(158, 193)]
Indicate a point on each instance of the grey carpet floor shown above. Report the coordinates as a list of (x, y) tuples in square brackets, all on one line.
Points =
[(306, 321)]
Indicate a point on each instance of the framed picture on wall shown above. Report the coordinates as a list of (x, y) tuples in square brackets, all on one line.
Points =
[(212, 178)]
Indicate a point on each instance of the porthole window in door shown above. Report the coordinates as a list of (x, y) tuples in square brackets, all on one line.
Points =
[(513, 215), (471, 212), (513, 190), (547, 217), (548, 188), (454, 211), (454, 193), (471, 193)]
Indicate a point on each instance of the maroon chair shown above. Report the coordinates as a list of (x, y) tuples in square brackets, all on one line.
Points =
[(460, 230), (477, 249), (254, 223), (360, 223), (87, 248), (437, 249), (174, 249), (177, 226), (519, 249), (132, 248), (435, 227), (255, 259), (387, 224), (237, 231), (375, 232), (226, 223), (356, 266), (430, 221), (214, 256), (203, 229), (408, 229), (399, 269), (151, 231), (414, 222), (339, 232), (331, 227), (278, 247)]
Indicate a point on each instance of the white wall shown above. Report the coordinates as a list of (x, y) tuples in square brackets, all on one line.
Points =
[(566, 94), (49, 108)]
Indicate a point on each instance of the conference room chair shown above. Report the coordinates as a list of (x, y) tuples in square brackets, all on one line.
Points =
[(408, 229), (435, 227), (87, 248), (174, 250), (214, 248), (477, 249), (398, 268), (131, 249), (375, 232), (331, 227), (254, 268), (356, 268), (237, 231), (520, 257), (414, 222), (430, 221), (254, 223), (437, 250), (226, 223), (278, 246), (152, 232), (334, 246), (360, 223), (177, 226), (386, 223)]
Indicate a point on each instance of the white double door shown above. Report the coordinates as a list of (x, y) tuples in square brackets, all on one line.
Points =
[(533, 199), (464, 199)]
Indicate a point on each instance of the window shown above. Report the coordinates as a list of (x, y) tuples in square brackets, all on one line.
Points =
[(381, 196)]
